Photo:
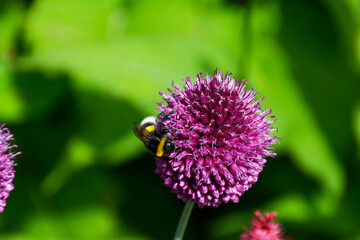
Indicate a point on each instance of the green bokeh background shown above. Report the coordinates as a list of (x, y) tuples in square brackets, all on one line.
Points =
[(74, 75)]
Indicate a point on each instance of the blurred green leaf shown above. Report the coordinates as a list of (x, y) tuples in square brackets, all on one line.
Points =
[(356, 123), (105, 135), (347, 16), (134, 67), (124, 149), (10, 21), (79, 155), (59, 24), (299, 130), (34, 87), (292, 207), (12, 111), (232, 223), (90, 222), (9, 24)]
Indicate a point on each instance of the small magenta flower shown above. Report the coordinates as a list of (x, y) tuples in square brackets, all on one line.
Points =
[(221, 139), (6, 165), (264, 228)]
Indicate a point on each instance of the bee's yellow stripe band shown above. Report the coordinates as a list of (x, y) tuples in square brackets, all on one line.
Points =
[(160, 148), (150, 128)]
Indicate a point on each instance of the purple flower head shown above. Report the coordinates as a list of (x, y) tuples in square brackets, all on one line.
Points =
[(221, 136), (264, 228), (6, 165)]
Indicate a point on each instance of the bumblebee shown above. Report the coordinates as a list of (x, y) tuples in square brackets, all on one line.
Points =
[(155, 140)]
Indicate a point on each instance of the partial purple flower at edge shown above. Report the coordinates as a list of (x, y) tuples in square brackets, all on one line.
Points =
[(7, 172), (221, 136), (264, 228)]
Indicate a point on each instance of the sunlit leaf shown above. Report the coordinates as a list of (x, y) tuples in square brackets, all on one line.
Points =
[(134, 67), (9, 24), (12, 111)]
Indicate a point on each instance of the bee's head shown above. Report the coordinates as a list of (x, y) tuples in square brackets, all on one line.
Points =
[(169, 147)]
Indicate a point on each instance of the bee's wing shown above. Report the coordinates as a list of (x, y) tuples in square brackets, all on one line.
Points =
[(136, 129), (138, 134)]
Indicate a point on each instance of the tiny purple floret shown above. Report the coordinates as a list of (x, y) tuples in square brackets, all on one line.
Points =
[(221, 136), (7, 172)]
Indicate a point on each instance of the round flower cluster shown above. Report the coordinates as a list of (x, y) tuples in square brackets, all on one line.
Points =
[(221, 139)]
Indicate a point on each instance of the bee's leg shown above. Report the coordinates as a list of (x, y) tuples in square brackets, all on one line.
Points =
[(166, 116), (162, 128)]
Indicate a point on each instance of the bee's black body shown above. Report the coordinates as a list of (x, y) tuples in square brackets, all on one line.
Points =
[(157, 143)]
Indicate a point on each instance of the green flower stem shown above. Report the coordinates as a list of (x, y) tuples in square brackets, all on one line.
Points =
[(183, 221)]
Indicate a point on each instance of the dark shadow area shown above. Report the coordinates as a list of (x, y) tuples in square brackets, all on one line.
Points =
[(48, 122), (147, 205), (315, 45)]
